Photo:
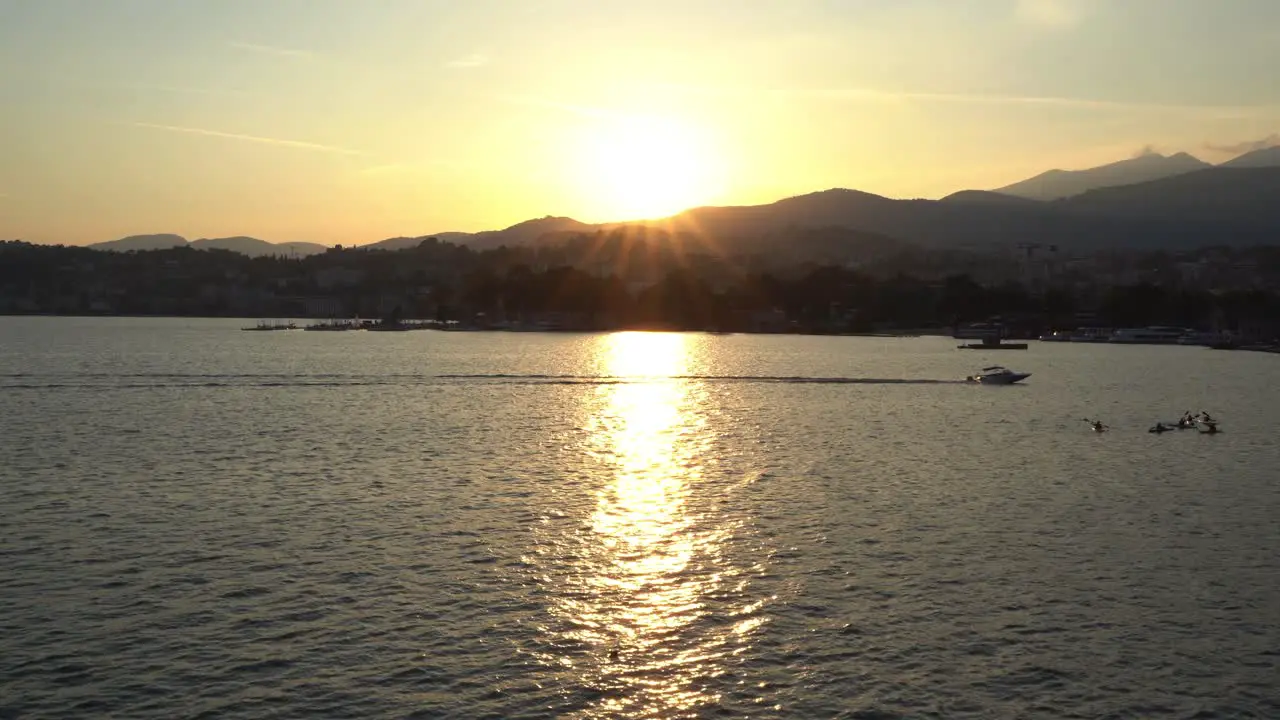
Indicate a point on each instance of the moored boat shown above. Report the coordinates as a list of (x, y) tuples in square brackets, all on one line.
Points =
[(993, 346)]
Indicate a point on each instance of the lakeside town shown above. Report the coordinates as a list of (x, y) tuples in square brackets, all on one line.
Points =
[(605, 283)]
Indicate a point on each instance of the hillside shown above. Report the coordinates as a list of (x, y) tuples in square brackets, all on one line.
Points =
[(525, 232), (1057, 184), (1266, 157), (253, 247), (1236, 206), (986, 197), (162, 241), (402, 243), (1229, 196), (1232, 205)]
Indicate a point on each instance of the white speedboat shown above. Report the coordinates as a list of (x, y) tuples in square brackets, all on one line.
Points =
[(998, 375)]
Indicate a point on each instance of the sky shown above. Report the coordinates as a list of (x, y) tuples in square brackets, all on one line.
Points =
[(350, 121)]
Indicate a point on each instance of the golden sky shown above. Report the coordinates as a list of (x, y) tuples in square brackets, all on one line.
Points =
[(338, 121)]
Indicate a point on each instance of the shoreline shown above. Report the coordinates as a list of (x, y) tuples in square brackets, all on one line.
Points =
[(429, 324), (414, 325)]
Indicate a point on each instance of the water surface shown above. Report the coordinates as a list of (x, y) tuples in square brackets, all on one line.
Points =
[(202, 522)]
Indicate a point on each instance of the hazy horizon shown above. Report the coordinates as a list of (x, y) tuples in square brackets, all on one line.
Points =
[(331, 122)]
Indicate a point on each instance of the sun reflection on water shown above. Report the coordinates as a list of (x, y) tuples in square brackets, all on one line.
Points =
[(652, 556)]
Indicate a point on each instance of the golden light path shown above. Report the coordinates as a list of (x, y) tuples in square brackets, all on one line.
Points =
[(651, 557)]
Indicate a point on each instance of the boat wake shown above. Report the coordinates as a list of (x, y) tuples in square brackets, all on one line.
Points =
[(102, 381), (643, 379)]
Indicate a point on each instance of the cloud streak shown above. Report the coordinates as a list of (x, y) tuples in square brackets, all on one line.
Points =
[(473, 60), (872, 95), (298, 144), (1240, 148), (270, 50)]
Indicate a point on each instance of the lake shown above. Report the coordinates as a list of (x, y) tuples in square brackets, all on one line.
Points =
[(204, 522)]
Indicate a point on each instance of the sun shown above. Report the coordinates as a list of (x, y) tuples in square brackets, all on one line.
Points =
[(646, 167)]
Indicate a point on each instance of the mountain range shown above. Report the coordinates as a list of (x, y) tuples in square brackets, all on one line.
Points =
[(1058, 184), (253, 247), (1151, 201)]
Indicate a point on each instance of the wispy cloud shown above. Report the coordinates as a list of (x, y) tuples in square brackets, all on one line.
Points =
[(473, 60), (271, 50), (1272, 140), (872, 95), (250, 138), (1052, 14)]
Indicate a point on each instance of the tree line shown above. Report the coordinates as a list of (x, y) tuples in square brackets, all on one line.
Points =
[(453, 283)]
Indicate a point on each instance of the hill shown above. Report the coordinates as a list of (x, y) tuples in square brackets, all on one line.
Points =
[(253, 247), (1215, 205), (986, 197), (403, 243), (1265, 157), (519, 234), (1226, 196), (525, 232), (162, 241), (1057, 184), (1232, 206), (931, 223)]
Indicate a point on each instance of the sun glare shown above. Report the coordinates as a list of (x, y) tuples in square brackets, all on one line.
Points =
[(639, 168)]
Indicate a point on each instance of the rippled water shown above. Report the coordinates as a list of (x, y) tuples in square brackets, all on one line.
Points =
[(200, 522)]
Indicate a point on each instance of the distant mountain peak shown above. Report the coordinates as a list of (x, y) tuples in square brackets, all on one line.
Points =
[(158, 241), (546, 220), (240, 243), (1148, 166), (1262, 157)]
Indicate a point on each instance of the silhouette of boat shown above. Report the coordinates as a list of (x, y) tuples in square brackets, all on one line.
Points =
[(998, 375)]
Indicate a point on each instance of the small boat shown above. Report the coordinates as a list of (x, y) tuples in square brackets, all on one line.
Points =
[(998, 375), (993, 346)]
